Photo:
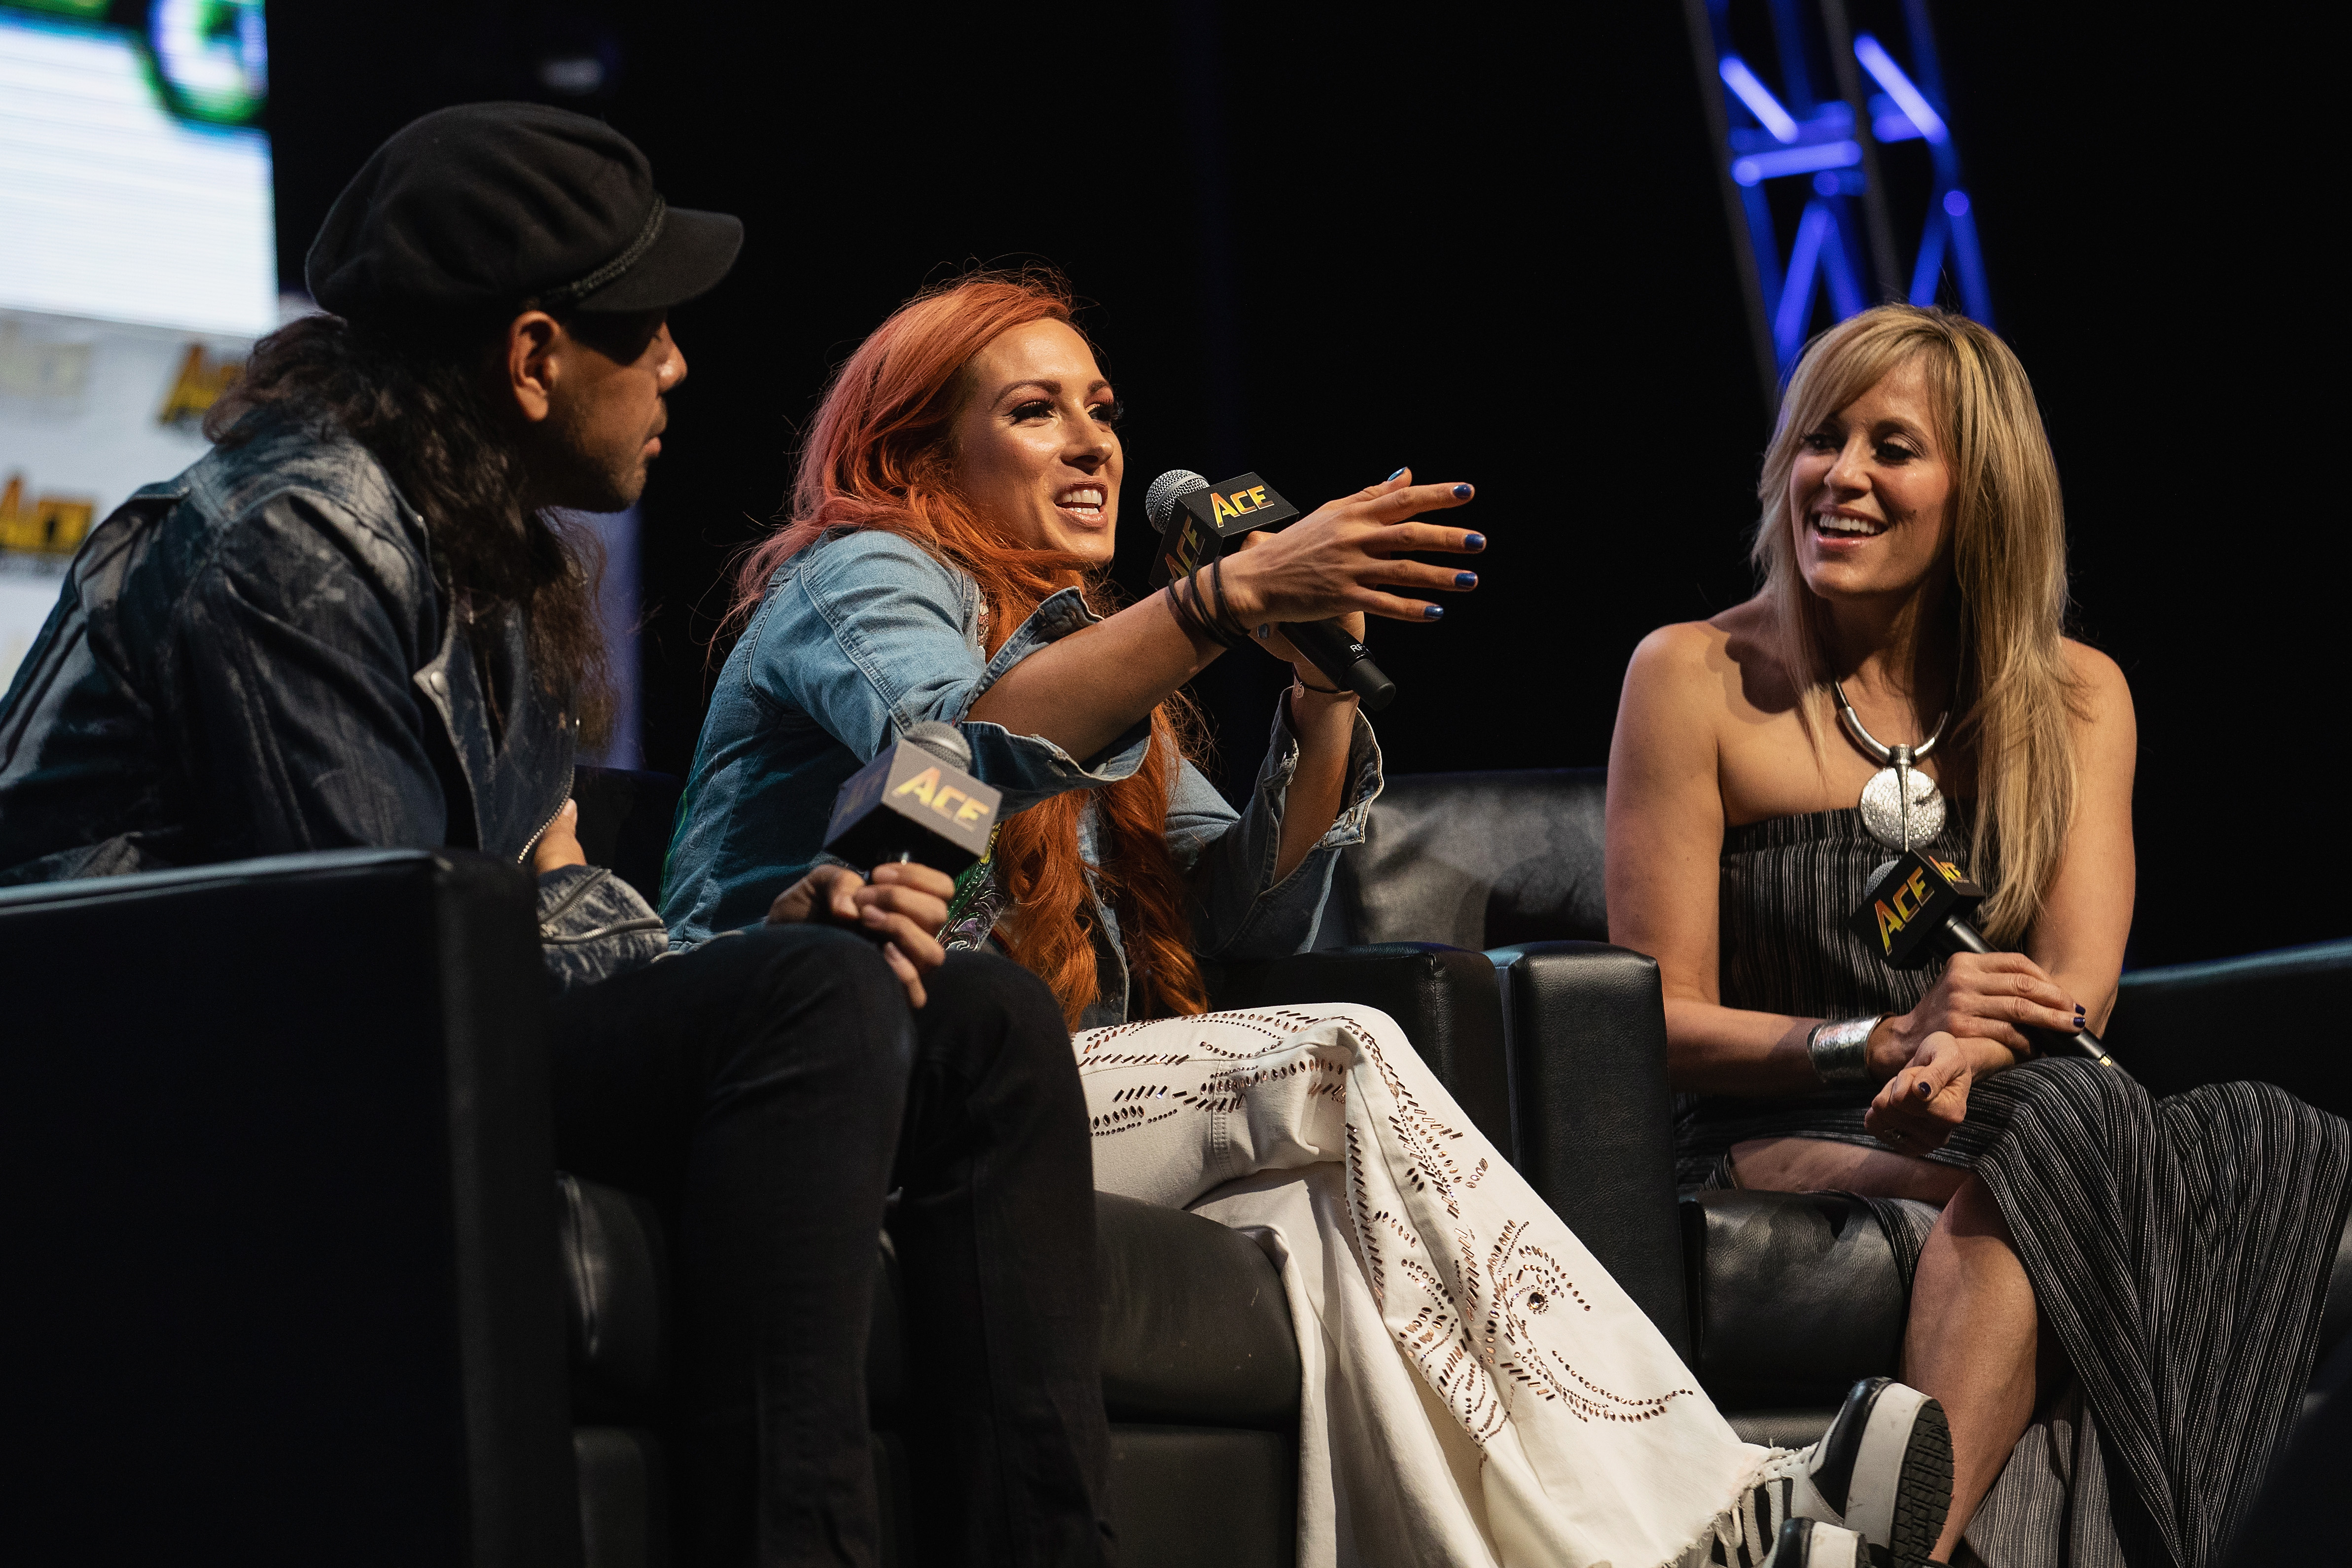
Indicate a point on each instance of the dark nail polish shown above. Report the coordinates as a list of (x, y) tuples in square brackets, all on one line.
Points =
[(1473, 541), (1462, 492), (1433, 613), (1393, 476), (1465, 579), (1923, 1089)]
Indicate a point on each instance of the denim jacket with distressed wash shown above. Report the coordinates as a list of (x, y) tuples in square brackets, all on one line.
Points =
[(863, 634), (256, 658)]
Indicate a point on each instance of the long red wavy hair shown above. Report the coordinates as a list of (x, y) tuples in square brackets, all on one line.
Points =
[(879, 454)]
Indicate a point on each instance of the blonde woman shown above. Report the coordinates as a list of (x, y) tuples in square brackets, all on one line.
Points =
[(1912, 548)]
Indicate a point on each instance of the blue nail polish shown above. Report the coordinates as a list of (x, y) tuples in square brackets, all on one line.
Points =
[(1465, 579), (1393, 476), (1433, 613), (1473, 541), (1462, 492)]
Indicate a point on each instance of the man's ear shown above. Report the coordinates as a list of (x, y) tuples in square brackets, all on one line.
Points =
[(531, 362)]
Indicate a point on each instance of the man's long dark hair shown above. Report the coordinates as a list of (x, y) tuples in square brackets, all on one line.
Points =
[(411, 396)]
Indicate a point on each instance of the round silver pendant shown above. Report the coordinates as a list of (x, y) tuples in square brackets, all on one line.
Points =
[(1882, 807)]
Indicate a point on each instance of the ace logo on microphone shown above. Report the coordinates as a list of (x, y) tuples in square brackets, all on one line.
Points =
[(1912, 898), (1206, 518)]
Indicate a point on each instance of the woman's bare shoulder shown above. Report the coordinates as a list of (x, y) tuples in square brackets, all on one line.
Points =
[(1679, 648), (1720, 661), (2102, 692)]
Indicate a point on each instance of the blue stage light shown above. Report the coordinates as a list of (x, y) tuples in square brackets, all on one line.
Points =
[(1758, 98), (1760, 166), (1847, 243), (1907, 97)]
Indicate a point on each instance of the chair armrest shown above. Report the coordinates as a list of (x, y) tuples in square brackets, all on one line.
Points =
[(1588, 1049), (2271, 1016), (280, 1138), (1444, 998)]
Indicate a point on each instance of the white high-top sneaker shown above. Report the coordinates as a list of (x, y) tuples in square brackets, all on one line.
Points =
[(1883, 1471)]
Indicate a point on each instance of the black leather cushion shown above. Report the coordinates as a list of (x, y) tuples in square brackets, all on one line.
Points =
[(2239, 1017), (625, 819), (616, 1300), (1194, 1325), (1477, 860), (623, 1498), (1793, 1297), (2335, 1314), (1187, 1497), (1588, 1040), (1782, 1428), (1444, 999)]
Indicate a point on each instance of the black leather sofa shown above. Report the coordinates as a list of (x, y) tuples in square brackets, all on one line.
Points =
[(281, 1180), (280, 1174), (1790, 1298)]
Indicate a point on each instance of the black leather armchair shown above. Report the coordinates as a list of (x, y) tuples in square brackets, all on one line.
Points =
[(1784, 1299)]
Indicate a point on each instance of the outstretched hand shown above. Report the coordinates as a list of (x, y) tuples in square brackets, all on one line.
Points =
[(1342, 558), (905, 905)]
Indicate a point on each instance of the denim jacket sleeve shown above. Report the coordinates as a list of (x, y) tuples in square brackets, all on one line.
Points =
[(1238, 910), (867, 634), (592, 926)]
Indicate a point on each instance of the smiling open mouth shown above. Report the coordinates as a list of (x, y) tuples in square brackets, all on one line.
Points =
[(1083, 502), (1835, 525)]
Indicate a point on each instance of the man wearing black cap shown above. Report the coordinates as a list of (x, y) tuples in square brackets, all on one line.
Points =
[(353, 623)]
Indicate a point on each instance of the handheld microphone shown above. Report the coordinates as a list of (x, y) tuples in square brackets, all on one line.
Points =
[(1920, 907), (916, 801), (1195, 521)]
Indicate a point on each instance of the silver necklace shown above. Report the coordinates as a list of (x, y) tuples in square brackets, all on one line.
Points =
[(1899, 804)]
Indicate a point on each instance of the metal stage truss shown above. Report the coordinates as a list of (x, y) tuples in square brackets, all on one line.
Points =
[(1820, 112)]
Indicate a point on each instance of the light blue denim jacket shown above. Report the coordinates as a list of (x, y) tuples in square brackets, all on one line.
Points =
[(863, 634)]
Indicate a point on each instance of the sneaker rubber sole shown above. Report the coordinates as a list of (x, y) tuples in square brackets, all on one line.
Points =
[(1908, 1434)]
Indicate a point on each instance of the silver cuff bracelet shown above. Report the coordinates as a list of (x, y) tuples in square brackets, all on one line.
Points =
[(1841, 1048)]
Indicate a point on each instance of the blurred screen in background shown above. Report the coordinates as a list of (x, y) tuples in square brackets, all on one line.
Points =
[(138, 260)]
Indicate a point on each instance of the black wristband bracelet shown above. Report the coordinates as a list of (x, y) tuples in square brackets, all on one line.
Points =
[(1235, 634), (1190, 615), (1299, 680)]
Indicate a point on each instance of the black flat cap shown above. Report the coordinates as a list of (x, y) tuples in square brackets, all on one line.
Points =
[(500, 207)]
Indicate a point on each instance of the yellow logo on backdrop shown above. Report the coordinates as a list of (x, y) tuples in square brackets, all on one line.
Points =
[(198, 386), (52, 525)]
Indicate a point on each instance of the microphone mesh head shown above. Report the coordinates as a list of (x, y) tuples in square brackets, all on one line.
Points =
[(1160, 501), (944, 742)]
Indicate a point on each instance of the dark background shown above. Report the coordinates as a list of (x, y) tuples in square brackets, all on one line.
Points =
[(1322, 246)]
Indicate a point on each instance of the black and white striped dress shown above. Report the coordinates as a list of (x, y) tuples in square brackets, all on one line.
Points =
[(2179, 1248)]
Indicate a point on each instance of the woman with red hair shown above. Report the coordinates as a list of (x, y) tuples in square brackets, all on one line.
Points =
[(954, 511), (956, 507)]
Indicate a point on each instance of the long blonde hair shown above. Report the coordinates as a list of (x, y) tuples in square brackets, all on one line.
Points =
[(2007, 548)]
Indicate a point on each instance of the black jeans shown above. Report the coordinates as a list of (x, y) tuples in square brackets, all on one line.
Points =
[(768, 1089)]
